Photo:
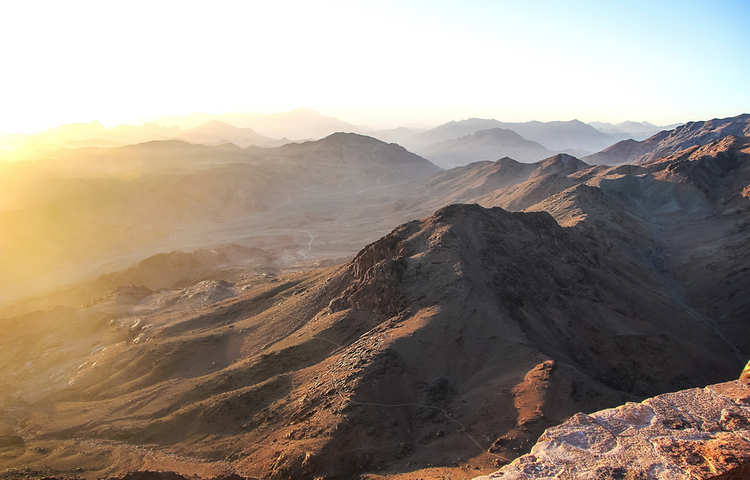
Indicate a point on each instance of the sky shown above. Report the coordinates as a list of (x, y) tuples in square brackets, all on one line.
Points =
[(382, 64)]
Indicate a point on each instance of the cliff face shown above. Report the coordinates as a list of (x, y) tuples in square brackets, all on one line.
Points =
[(700, 433)]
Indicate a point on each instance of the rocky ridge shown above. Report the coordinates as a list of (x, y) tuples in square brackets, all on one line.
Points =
[(454, 340), (670, 141)]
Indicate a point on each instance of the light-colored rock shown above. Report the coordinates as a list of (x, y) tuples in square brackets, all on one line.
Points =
[(695, 434), (745, 375)]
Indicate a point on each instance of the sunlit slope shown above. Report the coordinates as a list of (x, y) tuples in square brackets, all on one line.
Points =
[(453, 340), (668, 142)]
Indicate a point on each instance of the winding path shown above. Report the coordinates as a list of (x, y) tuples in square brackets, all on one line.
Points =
[(309, 245)]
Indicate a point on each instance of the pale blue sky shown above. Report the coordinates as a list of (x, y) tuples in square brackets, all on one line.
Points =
[(383, 64)]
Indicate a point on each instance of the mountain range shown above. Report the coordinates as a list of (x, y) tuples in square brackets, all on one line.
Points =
[(301, 124), (343, 308), (172, 194), (484, 145), (692, 134), (638, 130), (573, 135), (242, 129), (94, 134)]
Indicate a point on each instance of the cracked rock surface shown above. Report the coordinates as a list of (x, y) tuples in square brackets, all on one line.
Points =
[(699, 433)]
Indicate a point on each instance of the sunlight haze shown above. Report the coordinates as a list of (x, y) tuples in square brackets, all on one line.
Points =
[(380, 64), (374, 240)]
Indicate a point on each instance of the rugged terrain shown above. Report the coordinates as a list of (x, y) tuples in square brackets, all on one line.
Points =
[(668, 142), (444, 348), (696, 434)]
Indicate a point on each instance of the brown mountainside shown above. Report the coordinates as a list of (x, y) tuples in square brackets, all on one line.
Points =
[(452, 341), (391, 359), (468, 183), (671, 141)]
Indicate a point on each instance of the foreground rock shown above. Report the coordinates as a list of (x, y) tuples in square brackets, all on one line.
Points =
[(700, 433)]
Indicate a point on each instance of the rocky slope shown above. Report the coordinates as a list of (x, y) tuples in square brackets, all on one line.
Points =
[(388, 363), (670, 141), (469, 183), (171, 270), (696, 434), (452, 341)]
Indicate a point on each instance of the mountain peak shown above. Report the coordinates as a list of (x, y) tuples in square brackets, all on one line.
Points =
[(668, 142), (217, 122), (560, 164), (349, 138), (486, 144)]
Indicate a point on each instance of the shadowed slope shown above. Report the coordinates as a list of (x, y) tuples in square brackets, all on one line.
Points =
[(454, 339)]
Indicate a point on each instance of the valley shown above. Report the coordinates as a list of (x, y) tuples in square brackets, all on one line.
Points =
[(344, 308)]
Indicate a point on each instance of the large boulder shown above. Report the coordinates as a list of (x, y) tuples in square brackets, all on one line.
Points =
[(694, 434)]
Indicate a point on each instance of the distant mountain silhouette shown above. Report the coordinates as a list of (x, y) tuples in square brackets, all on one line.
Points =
[(392, 135), (301, 124), (448, 131), (484, 145), (556, 136), (217, 131), (95, 134), (638, 130), (76, 204)]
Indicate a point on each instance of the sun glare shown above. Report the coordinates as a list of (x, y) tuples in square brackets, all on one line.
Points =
[(119, 62)]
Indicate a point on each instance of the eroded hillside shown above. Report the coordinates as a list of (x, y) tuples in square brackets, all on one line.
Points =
[(450, 343)]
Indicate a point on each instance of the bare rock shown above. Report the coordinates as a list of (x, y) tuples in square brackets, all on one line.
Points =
[(745, 375), (695, 434)]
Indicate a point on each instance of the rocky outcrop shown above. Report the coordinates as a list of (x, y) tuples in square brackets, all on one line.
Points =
[(390, 246), (376, 272), (695, 434)]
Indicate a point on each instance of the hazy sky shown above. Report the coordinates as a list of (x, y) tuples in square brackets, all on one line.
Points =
[(381, 63)]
